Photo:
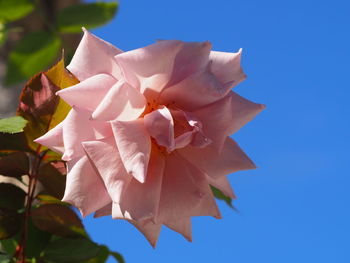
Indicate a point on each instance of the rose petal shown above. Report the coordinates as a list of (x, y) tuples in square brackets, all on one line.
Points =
[(160, 126), (105, 158), (194, 92), (229, 115), (149, 229), (122, 102), (142, 63), (223, 185), (84, 187), (140, 201), (94, 56), (77, 128), (227, 68), (183, 189), (182, 226), (88, 93), (53, 139), (134, 145), (229, 160)]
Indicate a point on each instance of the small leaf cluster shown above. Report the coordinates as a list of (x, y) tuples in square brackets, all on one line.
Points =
[(38, 49), (35, 226)]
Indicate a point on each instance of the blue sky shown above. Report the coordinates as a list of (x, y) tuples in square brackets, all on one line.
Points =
[(295, 206)]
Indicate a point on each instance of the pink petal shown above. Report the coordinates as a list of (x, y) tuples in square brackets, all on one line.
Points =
[(94, 56), (223, 185), (193, 57), (227, 68), (183, 190), (140, 201), (134, 145), (229, 160), (182, 226), (155, 59), (149, 229), (77, 128), (122, 102), (226, 116), (88, 93), (53, 139), (160, 126), (104, 156), (84, 187), (194, 92)]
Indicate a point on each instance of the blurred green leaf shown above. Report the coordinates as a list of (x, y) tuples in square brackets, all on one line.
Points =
[(5, 258), (118, 257), (48, 199), (220, 195), (13, 124), (11, 197), (9, 245), (101, 257), (3, 33), (11, 10), (59, 220), (33, 53), (14, 164), (52, 179), (37, 240), (89, 15), (10, 223), (71, 250)]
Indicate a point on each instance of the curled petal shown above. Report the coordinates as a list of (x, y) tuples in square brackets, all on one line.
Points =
[(228, 114), (122, 102), (94, 56), (160, 126), (94, 88), (227, 68), (134, 145), (105, 157), (53, 139), (84, 187), (228, 160)]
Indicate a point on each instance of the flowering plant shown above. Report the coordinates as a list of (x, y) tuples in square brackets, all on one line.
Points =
[(148, 132)]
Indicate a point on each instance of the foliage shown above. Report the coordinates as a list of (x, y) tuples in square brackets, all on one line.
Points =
[(37, 50), (34, 224)]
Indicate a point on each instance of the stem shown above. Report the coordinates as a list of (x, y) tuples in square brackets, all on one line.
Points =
[(33, 178)]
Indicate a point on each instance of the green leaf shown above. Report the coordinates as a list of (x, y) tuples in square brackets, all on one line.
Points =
[(101, 257), (9, 245), (11, 10), (10, 223), (59, 220), (37, 240), (11, 197), (220, 195), (5, 259), (12, 125), (3, 33), (14, 165), (118, 257), (66, 250), (33, 53), (91, 15)]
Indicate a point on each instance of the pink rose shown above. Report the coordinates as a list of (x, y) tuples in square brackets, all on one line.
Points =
[(148, 132)]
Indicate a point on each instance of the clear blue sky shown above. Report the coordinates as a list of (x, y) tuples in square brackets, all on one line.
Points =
[(295, 206)]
